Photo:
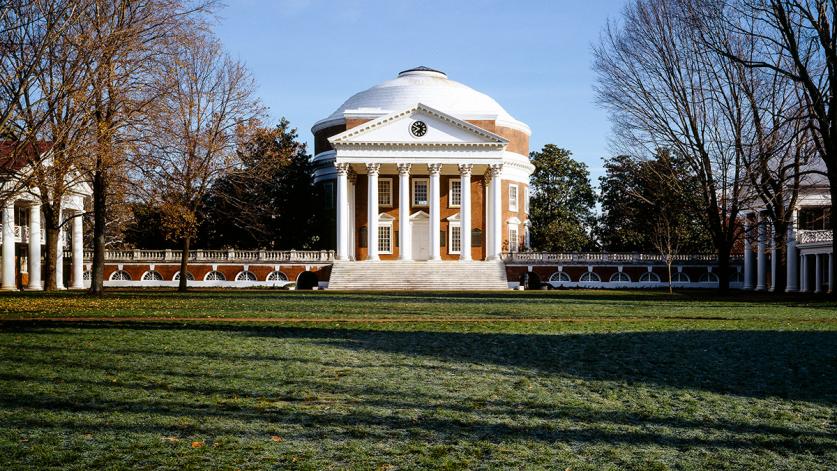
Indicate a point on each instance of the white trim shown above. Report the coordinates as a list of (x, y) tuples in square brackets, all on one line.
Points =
[(451, 181), (516, 206), (413, 192), (385, 223)]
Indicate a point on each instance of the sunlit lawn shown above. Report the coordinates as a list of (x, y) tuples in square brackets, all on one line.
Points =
[(574, 379)]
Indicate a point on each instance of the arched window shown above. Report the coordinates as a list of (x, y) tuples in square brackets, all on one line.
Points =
[(120, 275), (589, 276), (649, 277), (560, 277), (680, 277), (620, 277), (709, 277), (245, 276), (277, 276), (152, 275), (189, 276), (214, 275)]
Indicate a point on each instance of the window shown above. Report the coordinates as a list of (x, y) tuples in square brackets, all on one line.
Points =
[(526, 200), (455, 244), (476, 238), (620, 277), (560, 277), (420, 191), (815, 218), (649, 277), (385, 238), (454, 193), (680, 277), (277, 276), (385, 192), (86, 276), (214, 275), (513, 198), (152, 275), (590, 277), (328, 195), (514, 241), (708, 277), (362, 237), (245, 276), (189, 276), (120, 275)]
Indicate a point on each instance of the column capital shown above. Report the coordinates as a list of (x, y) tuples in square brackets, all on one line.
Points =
[(373, 169), (465, 169), (404, 169), (342, 168), (496, 170), (434, 169)]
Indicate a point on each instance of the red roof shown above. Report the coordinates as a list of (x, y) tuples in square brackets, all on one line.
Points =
[(22, 154)]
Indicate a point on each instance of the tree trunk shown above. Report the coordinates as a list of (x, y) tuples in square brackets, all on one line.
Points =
[(780, 238), (97, 285), (50, 255), (670, 284), (182, 286), (723, 269), (832, 270)]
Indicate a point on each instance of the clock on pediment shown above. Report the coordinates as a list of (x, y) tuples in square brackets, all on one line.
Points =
[(418, 128)]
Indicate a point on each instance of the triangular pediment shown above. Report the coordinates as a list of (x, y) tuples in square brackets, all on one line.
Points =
[(419, 125)]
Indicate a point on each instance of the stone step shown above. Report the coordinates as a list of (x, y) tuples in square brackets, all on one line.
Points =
[(403, 275)]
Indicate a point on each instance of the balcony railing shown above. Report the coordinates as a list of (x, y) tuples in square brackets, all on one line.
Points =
[(813, 237), (598, 258), (252, 256), (22, 234)]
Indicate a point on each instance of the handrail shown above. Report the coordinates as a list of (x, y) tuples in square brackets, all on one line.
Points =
[(231, 255), (597, 258), (813, 236)]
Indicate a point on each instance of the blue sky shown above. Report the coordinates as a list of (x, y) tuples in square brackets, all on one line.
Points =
[(533, 57)]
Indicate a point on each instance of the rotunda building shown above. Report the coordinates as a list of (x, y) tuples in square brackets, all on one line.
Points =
[(422, 167)]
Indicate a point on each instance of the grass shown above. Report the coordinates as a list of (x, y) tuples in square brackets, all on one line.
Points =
[(572, 379)]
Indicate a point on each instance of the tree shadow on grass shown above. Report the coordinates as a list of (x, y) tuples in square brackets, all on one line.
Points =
[(797, 365)]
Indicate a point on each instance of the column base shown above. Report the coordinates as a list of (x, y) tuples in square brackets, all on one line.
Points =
[(8, 288), (31, 288)]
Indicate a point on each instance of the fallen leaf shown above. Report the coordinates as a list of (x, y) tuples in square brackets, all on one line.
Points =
[(170, 439), (197, 444), (276, 438)]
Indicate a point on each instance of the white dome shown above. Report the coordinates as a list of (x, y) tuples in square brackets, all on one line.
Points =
[(429, 87)]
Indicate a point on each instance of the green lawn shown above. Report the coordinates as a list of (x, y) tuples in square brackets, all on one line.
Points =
[(560, 379)]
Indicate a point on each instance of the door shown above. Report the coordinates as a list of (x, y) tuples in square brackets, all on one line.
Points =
[(420, 239)]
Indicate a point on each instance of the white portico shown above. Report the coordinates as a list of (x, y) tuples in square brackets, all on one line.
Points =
[(420, 145)]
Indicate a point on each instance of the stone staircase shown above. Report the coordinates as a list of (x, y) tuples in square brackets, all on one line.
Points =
[(418, 276)]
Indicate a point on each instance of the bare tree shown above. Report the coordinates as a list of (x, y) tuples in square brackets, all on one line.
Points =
[(666, 235), (128, 41), (797, 40), (188, 140), (666, 91)]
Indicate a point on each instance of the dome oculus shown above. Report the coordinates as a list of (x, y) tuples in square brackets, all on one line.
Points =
[(418, 128)]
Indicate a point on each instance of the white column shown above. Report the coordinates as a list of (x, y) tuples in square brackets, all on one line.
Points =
[(9, 247), (792, 257), (372, 212), (35, 248), (773, 261), (817, 273), (803, 274), (435, 212), (405, 250), (59, 255), (761, 259), (78, 251), (497, 209), (342, 211), (465, 212), (488, 240), (748, 256), (352, 253)]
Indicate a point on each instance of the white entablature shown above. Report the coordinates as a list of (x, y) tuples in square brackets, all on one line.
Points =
[(444, 137)]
